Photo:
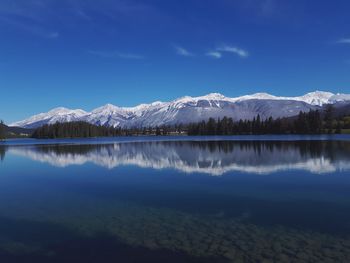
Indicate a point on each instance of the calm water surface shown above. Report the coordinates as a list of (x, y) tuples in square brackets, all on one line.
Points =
[(191, 199)]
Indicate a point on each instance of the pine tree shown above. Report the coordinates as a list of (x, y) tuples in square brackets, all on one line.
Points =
[(258, 125), (2, 130), (338, 129), (328, 118), (211, 126)]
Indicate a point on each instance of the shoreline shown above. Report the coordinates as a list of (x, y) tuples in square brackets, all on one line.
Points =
[(131, 139)]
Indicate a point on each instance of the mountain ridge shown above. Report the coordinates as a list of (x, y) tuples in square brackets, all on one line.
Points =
[(189, 109)]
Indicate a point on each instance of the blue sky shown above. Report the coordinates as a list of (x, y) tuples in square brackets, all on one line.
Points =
[(86, 53)]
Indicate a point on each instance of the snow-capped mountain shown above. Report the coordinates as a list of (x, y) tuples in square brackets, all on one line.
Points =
[(190, 109), (60, 114)]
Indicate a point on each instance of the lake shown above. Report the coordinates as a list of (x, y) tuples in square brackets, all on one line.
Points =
[(176, 199)]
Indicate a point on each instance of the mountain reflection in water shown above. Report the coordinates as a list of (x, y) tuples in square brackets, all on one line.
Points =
[(214, 158)]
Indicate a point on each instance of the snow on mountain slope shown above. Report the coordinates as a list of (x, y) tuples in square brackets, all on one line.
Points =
[(317, 98), (139, 109), (107, 115), (60, 114), (339, 98), (314, 98), (189, 109)]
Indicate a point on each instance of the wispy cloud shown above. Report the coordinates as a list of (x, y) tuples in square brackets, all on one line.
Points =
[(214, 54), (235, 50), (219, 51), (183, 52), (344, 41), (115, 54)]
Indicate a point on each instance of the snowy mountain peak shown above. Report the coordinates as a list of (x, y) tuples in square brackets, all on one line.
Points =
[(316, 97), (212, 96), (59, 114), (58, 110), (183, 99), (188, 99), (143, 106), (256, 96), (262, 95), (108, 108), (320, 94), (63, 110)]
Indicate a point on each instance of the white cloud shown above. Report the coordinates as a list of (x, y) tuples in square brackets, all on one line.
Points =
[(219, 52), (214, 54), (235, 50), (114, 54), (183, 52), (344, 41)]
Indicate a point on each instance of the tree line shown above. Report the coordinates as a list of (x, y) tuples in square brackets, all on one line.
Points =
[(82, 129), (312, 122), (77, 129)]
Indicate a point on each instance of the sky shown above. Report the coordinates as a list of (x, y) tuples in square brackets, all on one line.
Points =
[(87, 53)]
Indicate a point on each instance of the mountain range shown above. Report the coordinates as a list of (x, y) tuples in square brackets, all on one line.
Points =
[(190, 109)]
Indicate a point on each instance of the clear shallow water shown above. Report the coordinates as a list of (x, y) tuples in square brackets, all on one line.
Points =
[(233, 200)]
